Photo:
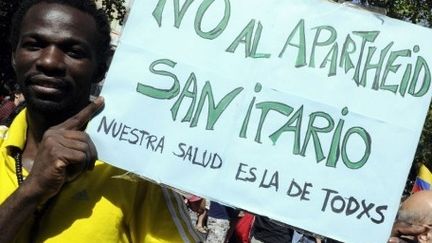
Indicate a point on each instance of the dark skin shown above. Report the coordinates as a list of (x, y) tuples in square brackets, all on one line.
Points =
[(55, 63)]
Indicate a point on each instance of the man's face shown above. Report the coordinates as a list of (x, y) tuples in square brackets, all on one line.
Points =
[(55, 59)]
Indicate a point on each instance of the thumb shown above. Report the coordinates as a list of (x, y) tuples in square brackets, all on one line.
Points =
[(77, 121)]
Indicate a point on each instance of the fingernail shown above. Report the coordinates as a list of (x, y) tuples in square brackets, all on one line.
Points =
[(99, 100), (393, 240)]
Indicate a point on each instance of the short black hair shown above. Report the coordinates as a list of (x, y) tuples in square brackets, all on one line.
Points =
[(103, 47)]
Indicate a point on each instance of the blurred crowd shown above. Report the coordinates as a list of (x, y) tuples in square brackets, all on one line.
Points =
[(11, 102), (219, 223), (222, 224)]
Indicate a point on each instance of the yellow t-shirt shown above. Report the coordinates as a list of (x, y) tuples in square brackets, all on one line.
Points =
[(103, 205)]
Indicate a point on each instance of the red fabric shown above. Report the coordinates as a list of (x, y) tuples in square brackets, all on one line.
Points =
[(243, 228), (6, 109), (193, 198)]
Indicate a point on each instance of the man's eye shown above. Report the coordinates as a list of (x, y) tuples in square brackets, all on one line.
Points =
[(32, 45), (76, 53)]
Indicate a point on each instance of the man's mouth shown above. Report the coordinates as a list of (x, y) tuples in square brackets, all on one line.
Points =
[(46, 89), (47, 86)]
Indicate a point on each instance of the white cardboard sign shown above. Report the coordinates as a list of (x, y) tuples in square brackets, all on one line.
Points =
[(305, 111)]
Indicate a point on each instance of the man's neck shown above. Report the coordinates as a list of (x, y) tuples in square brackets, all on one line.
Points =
[(37, 124)]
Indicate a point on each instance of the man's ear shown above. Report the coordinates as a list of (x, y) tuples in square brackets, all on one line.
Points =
[(13, 61), (100, 73)]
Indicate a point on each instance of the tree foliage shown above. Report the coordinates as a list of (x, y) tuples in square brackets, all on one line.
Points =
[(115, 9), (418, 12), (415, 11)]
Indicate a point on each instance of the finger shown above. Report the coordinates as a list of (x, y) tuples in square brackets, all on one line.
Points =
[(77, 167), (75, 140), (393, 240), (77, 121), (70, 156), (93, 156), (84, 145), (75, 135), (74, 144)]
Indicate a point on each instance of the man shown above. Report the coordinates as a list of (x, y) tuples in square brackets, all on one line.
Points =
[(414, 221), (51, 188)]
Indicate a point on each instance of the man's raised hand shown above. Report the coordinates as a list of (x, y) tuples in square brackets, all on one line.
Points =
[(64, 152)]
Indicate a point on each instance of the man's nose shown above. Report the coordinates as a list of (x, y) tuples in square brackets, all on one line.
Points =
[(51, 61)]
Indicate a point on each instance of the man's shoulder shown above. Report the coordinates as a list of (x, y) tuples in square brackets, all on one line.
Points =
[(14, 135), (3, 133)]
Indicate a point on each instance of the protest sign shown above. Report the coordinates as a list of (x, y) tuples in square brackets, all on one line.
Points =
[(305, 111)]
